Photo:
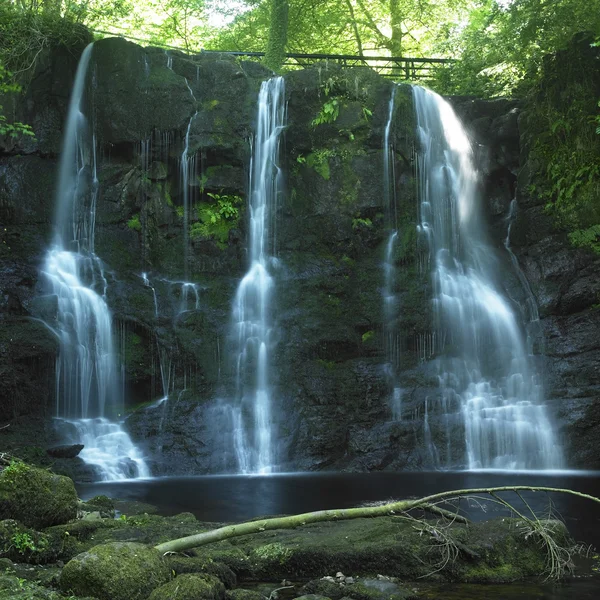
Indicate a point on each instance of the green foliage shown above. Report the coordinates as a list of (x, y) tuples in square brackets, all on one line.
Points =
[(27, 27), (135, 223), (275, 552), (328, 113), (565, 149), (367, 336), (502, 45), (319, 161), (216, 219), (15, 469), (16, 128), (343, 27), (277, 40), (586, 238), (358, 222), (24, 543)]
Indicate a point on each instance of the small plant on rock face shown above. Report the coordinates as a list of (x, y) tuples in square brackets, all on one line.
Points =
[(23, 542), (15, 129), (328, 113), (135, 223), (216, 219), (359, 222)]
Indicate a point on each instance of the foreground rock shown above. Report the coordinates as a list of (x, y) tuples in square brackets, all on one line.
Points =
[(117, 571), (191, 587), (70, 451), (36, 497)]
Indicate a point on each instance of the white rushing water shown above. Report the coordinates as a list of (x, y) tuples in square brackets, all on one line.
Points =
[(487, 377), (89, 397), (252, 311), (390, 299), (188, 171)]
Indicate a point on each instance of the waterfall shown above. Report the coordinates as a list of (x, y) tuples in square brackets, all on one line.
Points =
[(390, 300), (188, 171), (89, 399), (487, 377), (252, 312)]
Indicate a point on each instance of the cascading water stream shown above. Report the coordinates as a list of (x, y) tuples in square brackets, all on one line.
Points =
[(188, 169), (486, 375), (89, 399), (390, 299), (252, 313)]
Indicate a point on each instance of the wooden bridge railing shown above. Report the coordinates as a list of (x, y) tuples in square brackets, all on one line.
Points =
[(398, 68)]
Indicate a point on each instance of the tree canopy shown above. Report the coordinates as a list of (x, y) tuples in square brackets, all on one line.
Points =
[(499, 44)]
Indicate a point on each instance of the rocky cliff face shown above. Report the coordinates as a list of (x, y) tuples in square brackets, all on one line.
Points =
[(332, 394), (564, 279)]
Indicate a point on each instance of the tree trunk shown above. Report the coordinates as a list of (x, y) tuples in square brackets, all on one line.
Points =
[(396, 24), (394, 508), (355, 28), (278, 27)]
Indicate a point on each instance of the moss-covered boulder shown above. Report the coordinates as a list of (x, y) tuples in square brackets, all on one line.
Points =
[(21, 544), (115, 571), (241, 594), (190, 587), (102, 504), (36, 497), (191, 564)]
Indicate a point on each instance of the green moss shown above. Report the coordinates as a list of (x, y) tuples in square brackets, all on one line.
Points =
[(217, 218), (115, 571), (180, 564), (166, 190), (209, 105), (135, 223), (241, 594), (36, 497), (22, 544), (190, 587), (273, 553), (560, 126), (327, 364), (367, 336), (319, 161), (136, 357)]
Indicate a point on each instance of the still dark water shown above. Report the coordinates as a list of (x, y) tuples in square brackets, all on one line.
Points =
[(239, 498)]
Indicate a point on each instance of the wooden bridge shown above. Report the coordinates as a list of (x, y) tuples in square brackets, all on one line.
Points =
[(398, 68)]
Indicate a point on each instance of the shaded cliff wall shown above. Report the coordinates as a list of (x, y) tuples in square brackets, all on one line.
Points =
[(332, 395)]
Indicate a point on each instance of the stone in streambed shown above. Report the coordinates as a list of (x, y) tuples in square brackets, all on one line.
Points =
[(36, 497), (69, 451), (115, 571), (241, 594), (181, 564), (190, 587)]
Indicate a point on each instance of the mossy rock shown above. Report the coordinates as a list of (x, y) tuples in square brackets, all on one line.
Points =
[(36, 497), (17, 588), (241, 594), (190, 587), (102, 504), (115, 571), (324, 588), (192, 564), (21, 544)]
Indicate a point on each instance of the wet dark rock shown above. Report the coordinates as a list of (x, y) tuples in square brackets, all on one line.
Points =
[(329, 375), (36, 497), (116, 571), (65, 451)]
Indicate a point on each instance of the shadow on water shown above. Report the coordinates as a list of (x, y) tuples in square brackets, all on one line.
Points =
[(239, 498)]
